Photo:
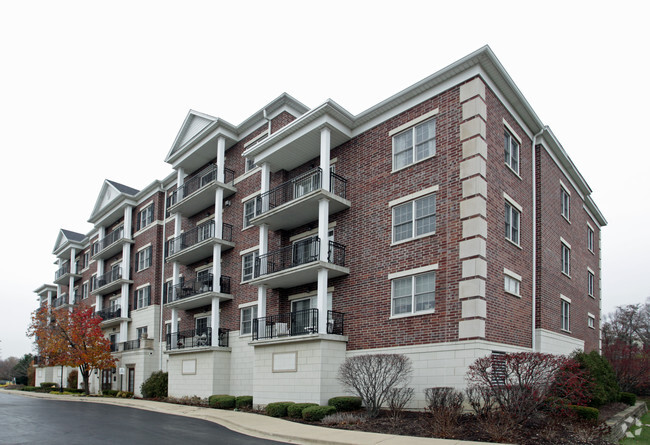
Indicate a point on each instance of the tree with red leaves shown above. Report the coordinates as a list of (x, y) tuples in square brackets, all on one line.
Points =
[(71, 338)]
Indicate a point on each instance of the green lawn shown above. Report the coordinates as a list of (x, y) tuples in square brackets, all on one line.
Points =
[(644, 438)]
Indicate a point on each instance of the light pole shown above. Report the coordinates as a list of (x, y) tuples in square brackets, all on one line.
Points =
[(61, 387)]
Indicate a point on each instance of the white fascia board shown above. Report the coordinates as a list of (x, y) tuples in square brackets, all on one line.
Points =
[(203, 137)]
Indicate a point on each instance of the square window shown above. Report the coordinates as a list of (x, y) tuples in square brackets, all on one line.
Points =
[(565, 203), (414, 294), (590, 239), (565, 309), (590, 284), (512, 285), (415, 144), (141, 331), (512, 219), (414, 218), (566, 260), (248, 314), (511, 151)]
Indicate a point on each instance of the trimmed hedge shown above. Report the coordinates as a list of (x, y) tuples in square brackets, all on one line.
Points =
[(585, 412), (109, 392), (222, 401), (29, 388), (316, 413), (278, 409), (345, 403), (628, 398), (124, 395), (296, 409), (244, 402), (49, 385)]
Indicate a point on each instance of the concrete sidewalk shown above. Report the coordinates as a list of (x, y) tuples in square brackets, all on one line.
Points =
[(259, 425)]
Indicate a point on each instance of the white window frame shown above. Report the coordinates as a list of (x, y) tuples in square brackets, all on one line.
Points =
[(565, 199), (590, 239), (246, 325), (511, 145), (591, 281), (591, 320), (252, 255), (413, 278), (143, 256), (413, 218), (141, 331), (565, 254), (145, 217), (565, 313), (142, 295), (256, 211), (84, 290), (413, 127), (208, 322), (513, 234), (85, 262), (511, 279)]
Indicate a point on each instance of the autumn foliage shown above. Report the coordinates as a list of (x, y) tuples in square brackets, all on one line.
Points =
[(71, 338)]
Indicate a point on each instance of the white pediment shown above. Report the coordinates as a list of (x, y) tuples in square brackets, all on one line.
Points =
[(107, 195), (195, 123)]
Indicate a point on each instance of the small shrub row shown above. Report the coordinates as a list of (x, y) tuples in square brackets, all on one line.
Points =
[(224, 401), (317, 413), (124, 395), (345, 403), (109, 392), (585, 412), (628, 398), (295, 410), (49, 385), (29, 388), (277, 409), (244, 402)]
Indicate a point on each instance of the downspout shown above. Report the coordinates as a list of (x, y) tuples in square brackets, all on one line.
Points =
[(535, 235), (162, 280)]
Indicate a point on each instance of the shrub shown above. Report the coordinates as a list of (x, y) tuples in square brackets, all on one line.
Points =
[(222, 401), (628, 398), (345, 403), (572, 386), (244, 402), (109, 392), (124, 395), (75, 390), (73, 379), (347, 418), (296, 409), (602, 375), (444, 406), (29, 388), (585, 412), (155, 386), (277, 409), (317, 413), (49, 385), (397, 399), (371, 377)]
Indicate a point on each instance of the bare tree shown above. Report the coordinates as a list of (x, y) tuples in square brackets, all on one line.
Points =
[(372, 377)]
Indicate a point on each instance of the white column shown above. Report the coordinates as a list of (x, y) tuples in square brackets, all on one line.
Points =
[(261, 302), (180, 175), (216, 268), (128, 222), (126, 269), (124, 326), (325, 147), (49, 305), (174, 327), (265, 177), (218, 213), (214, 321), (73, 269), (100, 269), (221, 158), (321, 301), (321, 295)]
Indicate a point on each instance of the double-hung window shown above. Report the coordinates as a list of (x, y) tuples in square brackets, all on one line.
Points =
[(566, 259), (143, 297), (143, 259), (590, 239), (202, 325), (251, 210), (414, 218), (590, 283), (415, 144), (512, 285), (248, 265), (512, 218), (248, 314), (85, 259), (566, 200), (565, 309), (141, 331), (84, 290), (511, 151), (414, 294), (145, 217), (591, 321)]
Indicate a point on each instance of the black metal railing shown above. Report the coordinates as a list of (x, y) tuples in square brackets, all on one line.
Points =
[(196, 338), (131, 345), (286, 325), (115, 347), (77, 298), (200, 180), (107, 278), (196, 235), (335, 322), (62, 271), (109, 239), (59, 301), (190, 288), (110, 312), (299, 253), (300, 186)]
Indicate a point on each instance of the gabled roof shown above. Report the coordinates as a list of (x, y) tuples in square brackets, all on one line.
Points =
[(123, 188), (73, 236), (110, 195), (67, 239), (195, 123)]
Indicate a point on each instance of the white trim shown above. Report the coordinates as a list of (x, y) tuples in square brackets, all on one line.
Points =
[(592, 272), (513, 132), (204, 267), (249, 250), (566, 189), (412, 314), (512, 202), (170, 279), (142, 286), (592, 229), (412, 196), (330, 290), (416, 271), (413, 122), (589, 314), (256, 138), (114, 263), (144, 247), (143, 206), (206, 219), (249, 173), (245, 305), (251, 196), (565, 242), (147, 227), (202, 315), (567, 299), (311, 232), (424, 235), (512, 274)]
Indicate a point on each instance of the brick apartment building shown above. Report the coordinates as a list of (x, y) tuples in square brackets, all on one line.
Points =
[(445, 223)]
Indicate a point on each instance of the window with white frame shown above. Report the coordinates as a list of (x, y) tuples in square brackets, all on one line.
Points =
[(591, 321), (143, 297), (85, 260), (512, 218), (93, 282), (590, 283), (251, 210), (590, 239), (511, 151), (512, 285), (565, 310), (202, 325), (565, 202), (171, 200), (144, 217), (414, 294), (415, 144), (566, 259), (248, 265), (250, 164), (247, 315), (84, 290), (141, 331), (414, 218), (143, 259)]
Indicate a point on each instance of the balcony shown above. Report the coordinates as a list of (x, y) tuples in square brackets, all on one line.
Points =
[(198, 192), (109, 282), (110, 245), (196, 338), (62, 276), (298, 264), (191, 294), (111, 316), (296, 323), (197, 243), (295, 203), (61, 301)]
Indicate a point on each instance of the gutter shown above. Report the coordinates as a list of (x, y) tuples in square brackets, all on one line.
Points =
[(534, 163)]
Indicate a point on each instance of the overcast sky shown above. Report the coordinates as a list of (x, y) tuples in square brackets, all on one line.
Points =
[(92, 90)]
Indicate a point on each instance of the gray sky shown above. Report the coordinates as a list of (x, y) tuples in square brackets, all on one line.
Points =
[(92, 90)]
